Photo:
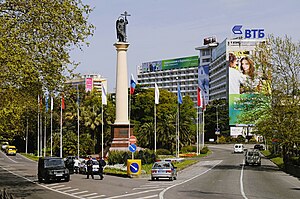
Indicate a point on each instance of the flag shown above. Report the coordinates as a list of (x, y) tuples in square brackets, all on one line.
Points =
[(62, 102), (77, 95), (51, 104), (199, 97), (179, 96), (132, 85), (104, 98), (156, 94), (46, 103), (203, 103)]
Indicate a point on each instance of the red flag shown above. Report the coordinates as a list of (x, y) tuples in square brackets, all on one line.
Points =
[(62, 102), (132, 85), (199, 97), (41, 103)]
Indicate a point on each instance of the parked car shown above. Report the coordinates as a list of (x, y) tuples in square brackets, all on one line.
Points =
[(52, 168), (11, 150), (252, 157), (4, 145), (259, 147), (238, 148), (83, 166), (163, 169)]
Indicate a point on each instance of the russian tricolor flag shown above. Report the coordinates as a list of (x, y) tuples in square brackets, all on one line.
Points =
[(132, 85)]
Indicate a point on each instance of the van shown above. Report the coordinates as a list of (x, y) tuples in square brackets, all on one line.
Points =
[(52, 168), (238, 148)]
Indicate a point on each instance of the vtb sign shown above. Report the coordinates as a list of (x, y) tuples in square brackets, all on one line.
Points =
[(249, 33)]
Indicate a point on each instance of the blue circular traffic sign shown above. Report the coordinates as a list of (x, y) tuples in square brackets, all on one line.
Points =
[(134, 167), (132, 148)]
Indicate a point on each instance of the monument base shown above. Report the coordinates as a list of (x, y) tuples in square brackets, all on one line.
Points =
[(120, 136)]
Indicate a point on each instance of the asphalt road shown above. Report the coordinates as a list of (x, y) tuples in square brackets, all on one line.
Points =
[(221, 175)]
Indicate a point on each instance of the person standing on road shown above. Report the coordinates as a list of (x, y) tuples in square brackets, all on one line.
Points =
[(89, 165), (102, 163)]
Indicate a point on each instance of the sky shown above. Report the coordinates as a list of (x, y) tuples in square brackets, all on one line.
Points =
[(167, 29)]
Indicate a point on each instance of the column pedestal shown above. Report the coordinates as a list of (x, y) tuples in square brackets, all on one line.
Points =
[(120, 136)]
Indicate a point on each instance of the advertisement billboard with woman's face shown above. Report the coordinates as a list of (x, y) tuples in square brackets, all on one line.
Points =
[(246, 80)]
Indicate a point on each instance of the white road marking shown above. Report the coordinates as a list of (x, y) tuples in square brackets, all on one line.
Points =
[(58, 186), (63, 188), (161, 194), (90, 194), (50, 185), (79, 192), (100, 196), (131, 194), (152, 196), (71, 190), (241, 182)]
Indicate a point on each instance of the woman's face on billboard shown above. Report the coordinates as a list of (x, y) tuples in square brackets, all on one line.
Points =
[(245, 65)]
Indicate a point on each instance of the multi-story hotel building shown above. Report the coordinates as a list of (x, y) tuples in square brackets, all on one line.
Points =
[(90, 82), (168, 74)]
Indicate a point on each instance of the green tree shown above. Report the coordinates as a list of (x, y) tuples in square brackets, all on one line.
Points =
[(36, 37), (276, 111)]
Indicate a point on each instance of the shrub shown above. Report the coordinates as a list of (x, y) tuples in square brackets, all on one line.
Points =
[(204, 150), (163, 152), (229, 139), (240, 139), (187, 149), (252, 140), (222, 140)]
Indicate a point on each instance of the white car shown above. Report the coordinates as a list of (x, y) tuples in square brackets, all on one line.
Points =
[(4, 145), (238, 148), (83, 166)]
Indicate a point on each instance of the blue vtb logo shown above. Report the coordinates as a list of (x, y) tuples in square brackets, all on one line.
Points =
[(249, 33)]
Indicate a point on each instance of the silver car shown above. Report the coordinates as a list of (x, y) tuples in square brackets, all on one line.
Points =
[(163, 169), (252, 157)]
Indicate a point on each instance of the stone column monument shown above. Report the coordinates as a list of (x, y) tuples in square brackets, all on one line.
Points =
[(120, 129)]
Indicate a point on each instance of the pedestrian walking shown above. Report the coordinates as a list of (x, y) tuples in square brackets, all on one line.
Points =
[(102, 163), (89, 165)]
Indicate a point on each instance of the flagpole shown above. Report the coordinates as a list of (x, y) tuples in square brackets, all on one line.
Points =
[(41, 133), (102, 133), (178, 132), (129, 119), (61, 130), (155, 128), (26, 134), (203, 127), (51, 127), (38, 130), (45, 134), (197, 131), (78, 123)]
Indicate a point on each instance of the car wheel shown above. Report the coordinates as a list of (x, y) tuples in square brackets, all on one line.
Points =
[(40, 179), (171, 178), (67, 179), (152, 178), (246, 163)]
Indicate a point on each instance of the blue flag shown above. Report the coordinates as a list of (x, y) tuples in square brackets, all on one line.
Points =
[(46, 102), (179, 96)]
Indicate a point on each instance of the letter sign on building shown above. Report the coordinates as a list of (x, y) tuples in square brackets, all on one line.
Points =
[(249, 33)]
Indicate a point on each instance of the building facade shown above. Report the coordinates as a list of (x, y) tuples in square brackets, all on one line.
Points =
[(90, 82), (168, 74)]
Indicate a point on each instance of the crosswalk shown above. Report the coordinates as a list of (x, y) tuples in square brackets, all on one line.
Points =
[(74, 192)]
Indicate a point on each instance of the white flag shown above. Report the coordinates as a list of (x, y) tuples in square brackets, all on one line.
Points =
[(104, 98), (156, 94), (51, 104)]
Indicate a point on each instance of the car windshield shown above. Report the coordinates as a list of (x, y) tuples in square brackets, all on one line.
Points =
[(54, 163), (251, 153), (162, 165)]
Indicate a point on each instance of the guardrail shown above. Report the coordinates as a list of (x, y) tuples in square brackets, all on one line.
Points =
[(5, 195)]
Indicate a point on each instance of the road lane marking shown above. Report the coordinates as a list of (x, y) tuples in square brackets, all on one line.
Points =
[(161, 194), (100, 196), (146, 197), (241, 182), (71, 190), (63, 188), (50, 185), (79, 192), (90, 194), (58, 186), (131, 194)]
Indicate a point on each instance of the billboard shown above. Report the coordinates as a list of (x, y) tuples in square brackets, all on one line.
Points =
[(88, 84), (203, 81), (184, 62), (246, 82)]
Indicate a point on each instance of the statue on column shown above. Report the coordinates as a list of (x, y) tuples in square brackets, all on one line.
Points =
[(121, 27)]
